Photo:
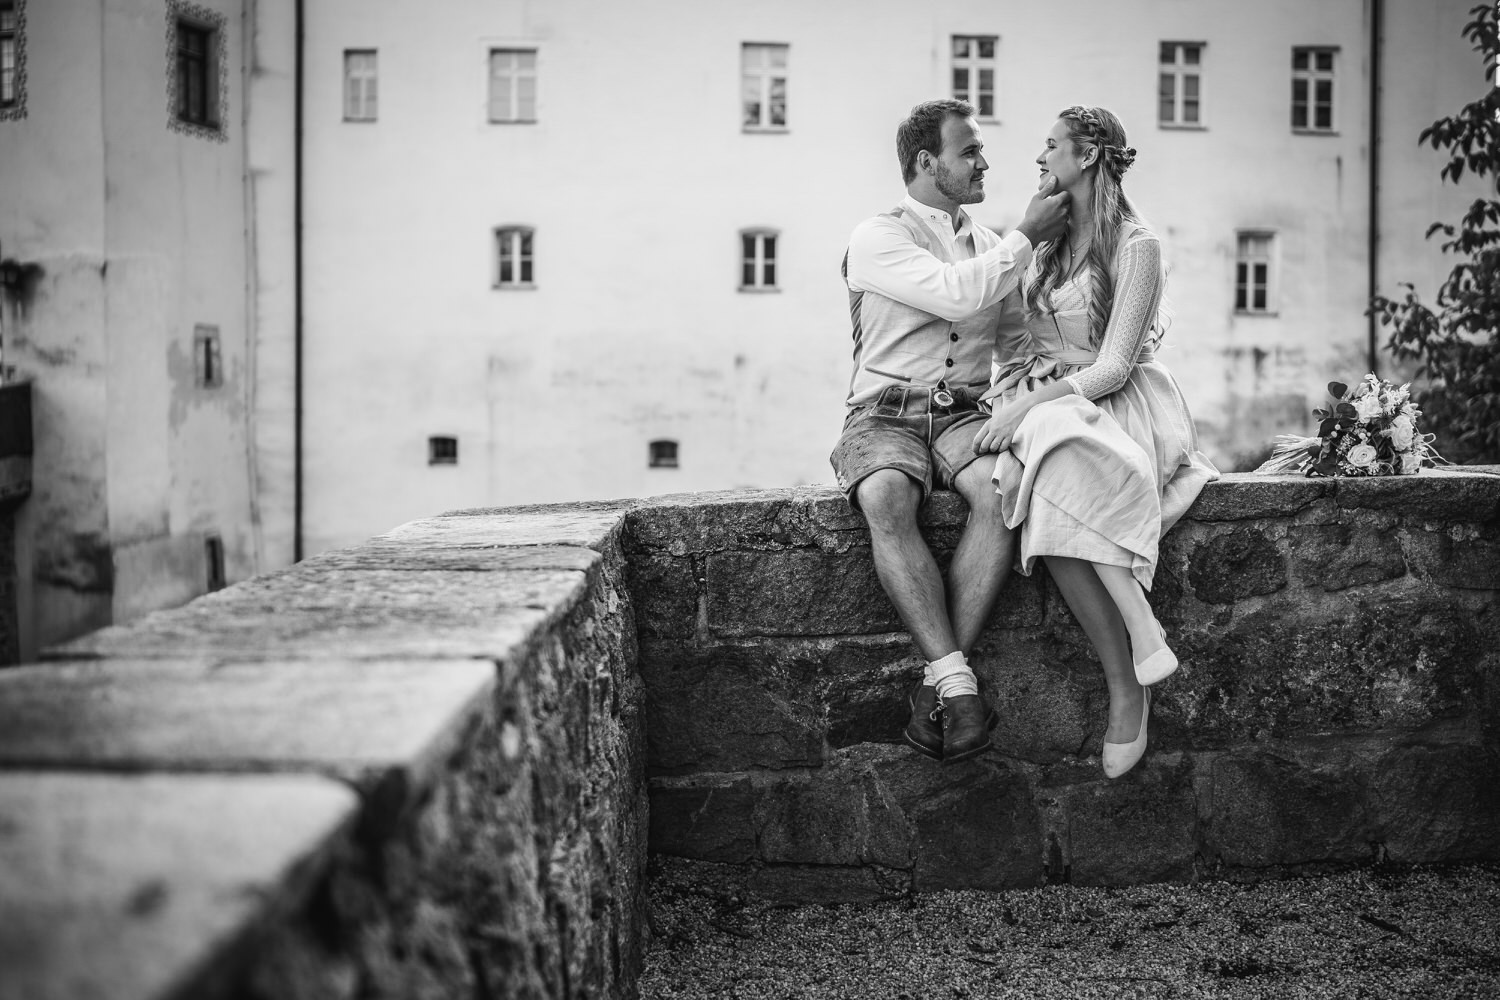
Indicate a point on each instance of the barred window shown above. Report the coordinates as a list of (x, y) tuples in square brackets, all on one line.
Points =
[(361, 85), (1252, 272), (763, 70), (1179, 86), (974, 72), (1312, 88), (513, 257), (513, 85), (758, 259)]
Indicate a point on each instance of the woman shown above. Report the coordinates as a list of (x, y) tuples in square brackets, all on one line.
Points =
[(1098, 454)]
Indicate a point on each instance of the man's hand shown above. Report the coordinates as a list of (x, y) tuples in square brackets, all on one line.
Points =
[(1047, 214), (997, 432)]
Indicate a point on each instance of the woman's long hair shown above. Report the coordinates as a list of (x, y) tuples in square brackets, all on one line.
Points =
[(1111, 209)]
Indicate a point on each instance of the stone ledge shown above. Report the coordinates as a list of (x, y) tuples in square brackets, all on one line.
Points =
[(137, 887)]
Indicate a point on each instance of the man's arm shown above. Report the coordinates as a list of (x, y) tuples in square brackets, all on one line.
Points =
[(883, 258)]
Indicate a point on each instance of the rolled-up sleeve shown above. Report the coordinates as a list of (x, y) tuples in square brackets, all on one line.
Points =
[(883, 259)]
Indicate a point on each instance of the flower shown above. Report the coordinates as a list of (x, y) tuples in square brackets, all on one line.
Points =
[(1367, 407), (1411, 463), (1362, 456), (1401, 431)]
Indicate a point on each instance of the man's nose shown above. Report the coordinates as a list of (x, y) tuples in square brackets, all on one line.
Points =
[(980, 163)]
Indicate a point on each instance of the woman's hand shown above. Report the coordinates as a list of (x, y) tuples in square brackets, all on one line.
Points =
[(997, 432)]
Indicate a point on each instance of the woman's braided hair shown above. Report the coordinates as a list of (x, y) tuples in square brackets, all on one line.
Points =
[(1099, 129)]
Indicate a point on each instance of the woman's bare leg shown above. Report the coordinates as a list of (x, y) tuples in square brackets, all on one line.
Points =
[(1130, 600), (1095, 608)]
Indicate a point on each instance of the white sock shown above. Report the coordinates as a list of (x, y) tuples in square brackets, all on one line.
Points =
[(951, 676)]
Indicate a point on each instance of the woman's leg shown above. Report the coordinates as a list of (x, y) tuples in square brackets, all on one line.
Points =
[(1083, 588), (1130, 600)]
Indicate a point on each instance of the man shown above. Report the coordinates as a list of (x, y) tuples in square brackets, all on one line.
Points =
[(926, 286)]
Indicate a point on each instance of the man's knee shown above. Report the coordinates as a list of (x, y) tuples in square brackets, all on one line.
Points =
[(889, 500), (975, 485)]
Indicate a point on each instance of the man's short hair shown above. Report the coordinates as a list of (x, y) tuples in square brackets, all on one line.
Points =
[(923, 129)]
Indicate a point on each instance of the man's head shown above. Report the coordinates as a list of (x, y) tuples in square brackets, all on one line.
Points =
[(938, 146)]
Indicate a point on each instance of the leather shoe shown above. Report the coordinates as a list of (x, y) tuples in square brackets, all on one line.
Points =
[(967, 722), (923, 732)]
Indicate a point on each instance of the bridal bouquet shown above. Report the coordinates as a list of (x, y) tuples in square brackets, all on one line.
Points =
[(1367, 430)]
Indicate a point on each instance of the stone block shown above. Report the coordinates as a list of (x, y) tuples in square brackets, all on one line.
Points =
[(730, 708), (706, 817), (1433, 494), (757, 520), (840, 815), (385, 725), (1337, 556), (590, 524), (827, 884), (1437, 804), (1140, 828), (1042, 685), (796, 592), (378, 555), (1235, 564), (665, 591), (391, 614), (1289, 807), (1462, 555), (137, 887), (1382, 660), (1246, 496)]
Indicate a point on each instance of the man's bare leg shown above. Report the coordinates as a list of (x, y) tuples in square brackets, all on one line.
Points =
[(981, 562), (889, 501)]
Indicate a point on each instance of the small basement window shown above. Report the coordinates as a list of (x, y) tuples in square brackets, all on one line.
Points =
[(442, 451), (663, 454)]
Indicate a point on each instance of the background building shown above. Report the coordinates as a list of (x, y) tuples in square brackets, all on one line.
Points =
[(295, 272)]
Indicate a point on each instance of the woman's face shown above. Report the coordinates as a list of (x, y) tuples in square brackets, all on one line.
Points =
[(1058, 159)]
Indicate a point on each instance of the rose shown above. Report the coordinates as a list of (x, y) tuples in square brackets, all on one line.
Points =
[(1361, 456), (1401, 431), (1411, 463), (1367, 407)]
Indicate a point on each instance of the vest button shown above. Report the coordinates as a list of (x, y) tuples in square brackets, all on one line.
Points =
[(949, 362), (953, 337)]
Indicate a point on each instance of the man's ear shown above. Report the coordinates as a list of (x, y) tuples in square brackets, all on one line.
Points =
[(924, 160)]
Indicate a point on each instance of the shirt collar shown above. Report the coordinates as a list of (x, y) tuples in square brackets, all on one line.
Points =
[(941, 220)]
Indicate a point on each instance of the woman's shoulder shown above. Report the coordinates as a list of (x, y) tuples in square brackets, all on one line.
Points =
[(1135, 231)]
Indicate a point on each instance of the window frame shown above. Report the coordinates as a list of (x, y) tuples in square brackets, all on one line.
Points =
[(215, 123), (765, 75), (14, 109), (758, 260), (369, 99), (1244, 277), (1180, 70), (521, 251), (516, 75), (973, 65), (1312, 76)]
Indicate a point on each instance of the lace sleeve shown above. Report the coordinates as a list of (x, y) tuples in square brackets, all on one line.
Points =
[(1138, 288)]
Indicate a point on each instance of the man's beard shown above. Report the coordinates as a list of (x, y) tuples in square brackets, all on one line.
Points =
[(949, 186)]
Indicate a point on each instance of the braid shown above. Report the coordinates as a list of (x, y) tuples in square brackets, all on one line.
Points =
[(1111, 209)]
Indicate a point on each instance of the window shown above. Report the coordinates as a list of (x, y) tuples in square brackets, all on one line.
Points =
[(208, 370), (663, 454), (197, 85), (513, 257), (1312, 89), (1178, 93), (360, 85), (442, 451), (213, 557), (758, 260), (12, 59), (1252, 273), (512, 85), (763, 91), (974, 72)]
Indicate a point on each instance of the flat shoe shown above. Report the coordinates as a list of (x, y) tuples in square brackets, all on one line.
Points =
[(923, 732), (1158, 666), (1121, 757), (967, 722)]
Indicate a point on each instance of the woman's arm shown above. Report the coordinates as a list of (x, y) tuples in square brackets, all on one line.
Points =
[(1138, 288)]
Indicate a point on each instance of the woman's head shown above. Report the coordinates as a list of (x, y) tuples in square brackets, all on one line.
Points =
[(1086, 151)]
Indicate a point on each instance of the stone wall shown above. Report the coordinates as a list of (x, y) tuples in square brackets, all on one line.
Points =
[(410, 769), (1341, 678)]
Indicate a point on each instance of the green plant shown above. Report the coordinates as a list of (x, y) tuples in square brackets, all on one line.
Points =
[(1457, 343)]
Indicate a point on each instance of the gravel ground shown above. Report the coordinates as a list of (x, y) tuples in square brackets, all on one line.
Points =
[(1368, 933)]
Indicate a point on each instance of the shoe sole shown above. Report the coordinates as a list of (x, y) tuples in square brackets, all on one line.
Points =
[(921, 748)]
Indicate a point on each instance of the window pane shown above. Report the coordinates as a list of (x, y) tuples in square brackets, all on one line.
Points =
[(747, 246), (1299, 59), (1190, 54), (1239, 298), (1242, 248), (777, 58), (1259, 301), (1168, 53), (1260, 275), (960, 80), (1190, 112), (8, 18), (1325, 60), (500, 99), (986, 79), (770, 281), (747, 274), (1299, 91), (1323, 90), (525, 243), (986, 105), (526, 271), (526, 60), (960, 47), (769, 243), (778, 102), (526, 98), (986, 48), (1190, 86), (1166, 112), (1299, 116), (1323, 117), (506, 274)]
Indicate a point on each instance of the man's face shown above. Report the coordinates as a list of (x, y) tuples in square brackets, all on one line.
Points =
[(961, 165)]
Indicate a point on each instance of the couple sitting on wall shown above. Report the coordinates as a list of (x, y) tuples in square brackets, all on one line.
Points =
[(1019, 372)]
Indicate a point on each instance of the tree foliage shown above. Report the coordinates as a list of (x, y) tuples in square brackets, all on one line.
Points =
[(1457, 341)]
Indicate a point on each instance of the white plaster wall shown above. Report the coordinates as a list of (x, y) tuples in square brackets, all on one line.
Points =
[(637, 178), (142, 232)]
